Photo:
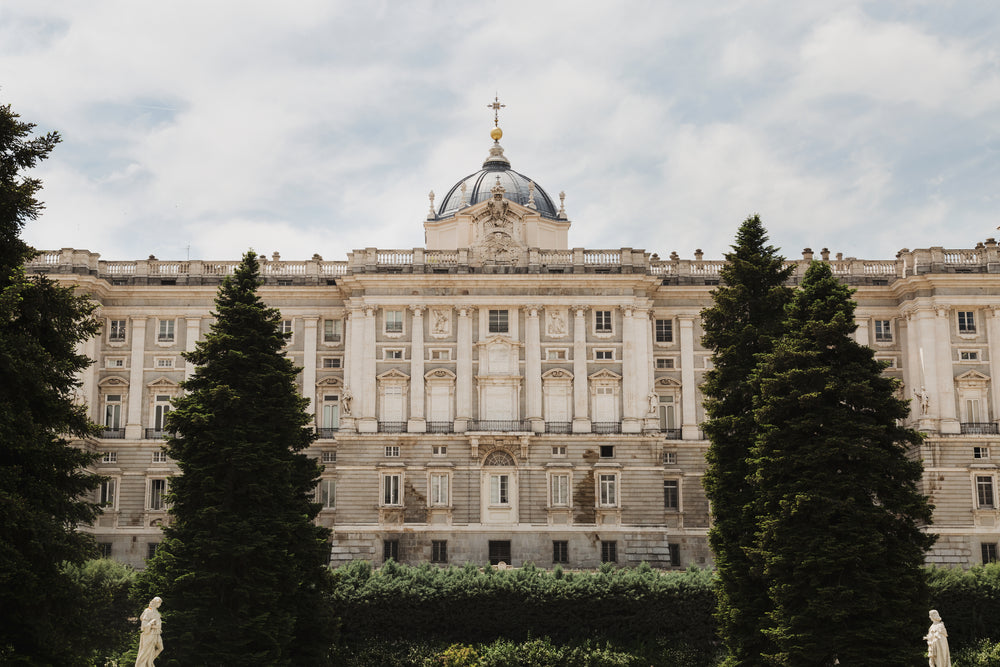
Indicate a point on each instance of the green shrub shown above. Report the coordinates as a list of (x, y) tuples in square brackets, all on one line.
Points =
[(968, 601), (985, 653)]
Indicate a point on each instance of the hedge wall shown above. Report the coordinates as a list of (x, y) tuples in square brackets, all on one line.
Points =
[(469, 604)]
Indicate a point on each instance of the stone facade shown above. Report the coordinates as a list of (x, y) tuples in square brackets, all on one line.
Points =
[(485, 399)]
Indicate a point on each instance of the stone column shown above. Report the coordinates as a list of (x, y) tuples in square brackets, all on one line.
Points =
[(190, 340), (861, 333), (136, 388), (689, 420), (946, 373), (993, 343), (463, 370), (581, 390), (533, 370), (309, 338), (630, 375), (368, 422), (926, 374), (417, 423), (911, 362), (353, 333), (645, 328)]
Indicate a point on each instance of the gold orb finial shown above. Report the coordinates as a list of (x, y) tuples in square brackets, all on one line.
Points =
[(496, 133)]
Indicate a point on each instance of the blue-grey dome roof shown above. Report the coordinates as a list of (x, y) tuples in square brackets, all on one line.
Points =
[(479, 184)]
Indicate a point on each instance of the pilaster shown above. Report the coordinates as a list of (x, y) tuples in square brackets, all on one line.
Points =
[(417, 423), (630, 376), (136, 387), (193, 332), (581, 418), (463, 370), (309, 362), (533, 369), (367, 422), (946, 374), (689, 420), (993, 342)]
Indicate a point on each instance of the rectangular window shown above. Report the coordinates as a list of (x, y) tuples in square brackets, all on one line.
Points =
[(328, 493), (559, 450), (499, 552), (439, 490), (980, 452), (333, 331), (110, 457), (159, 457), (560, 490), (113, 411), (332, 362), (607, 451), (330, 415), (104, 549), (108, 489), (498, 321), (968, 355), (286, 327), (609, 490), (604, 355), (114, 362), (989, 551), (116, 331), (609, 552), (391, 489), (602, 321), (555, 355), (560, 551), (440, 355), (966, 322), (664, 331), (166, 332), (329, 457), (499, 489), (664, 363), (439, 551), (669, 458), (394, 321), (157, 490), (151, 549), (883, 331), (984, 492), (161, 408), (439, 450), (392, 451), (390, 550), (392, 354), (165, 362), (671, 495), (675, 555)]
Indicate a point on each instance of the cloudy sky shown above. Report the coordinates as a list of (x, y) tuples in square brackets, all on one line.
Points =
[(202, 128)]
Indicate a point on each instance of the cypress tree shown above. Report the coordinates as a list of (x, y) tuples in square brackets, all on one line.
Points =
[(43, 482), (837, 500), (743, 323), (242, 569)]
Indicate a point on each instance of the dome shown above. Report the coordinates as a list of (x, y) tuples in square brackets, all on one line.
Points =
[(496, 168)]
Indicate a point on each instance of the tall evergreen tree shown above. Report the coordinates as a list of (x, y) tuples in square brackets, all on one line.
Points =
[(43, 484), (838, 502), (242, 569), (743, 323)]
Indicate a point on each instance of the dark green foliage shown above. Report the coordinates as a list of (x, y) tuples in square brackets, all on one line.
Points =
[(471, 605), (42, 478), (968, 601), (743, 323), (242, 567), (837, 500), (107, 610)]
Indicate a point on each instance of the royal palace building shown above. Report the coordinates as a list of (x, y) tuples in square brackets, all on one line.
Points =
[(499, 396)]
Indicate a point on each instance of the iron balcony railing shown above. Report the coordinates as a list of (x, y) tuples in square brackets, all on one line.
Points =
[(558, 427), (155, 434), (113, 433), (326, 432), (606, 427), (440, 427), (980, 428), (392, 427), (499, 425)]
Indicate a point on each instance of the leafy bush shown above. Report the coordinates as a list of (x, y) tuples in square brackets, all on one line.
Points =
[(984, 654), (968, 601), (110, 630)]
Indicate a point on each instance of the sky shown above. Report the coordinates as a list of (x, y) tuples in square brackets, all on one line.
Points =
[(195, 129)]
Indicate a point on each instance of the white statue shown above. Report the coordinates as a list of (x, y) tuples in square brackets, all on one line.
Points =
[(150, 643), (925, 400), (938, 654), (556, 324), (345, 402), (654, 403), (440, 321)]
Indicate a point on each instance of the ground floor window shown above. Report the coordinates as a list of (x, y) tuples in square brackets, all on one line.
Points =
[(675, 555), (560, 551), (499, 552), (151, 549), (104, 549), (439, 551), (390, 549), (609, 552), (989, 552)]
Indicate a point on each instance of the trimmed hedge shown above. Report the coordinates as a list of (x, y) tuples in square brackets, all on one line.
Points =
[(968, 601), (473, 605)]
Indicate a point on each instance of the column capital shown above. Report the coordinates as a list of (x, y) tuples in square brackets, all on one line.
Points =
[(942, 311), (532, 310), (418, 309), (465, 311), (580, 311)]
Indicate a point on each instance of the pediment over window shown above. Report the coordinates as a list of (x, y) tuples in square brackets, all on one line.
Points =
[(329, 382), (972, 379), (393, 375), (439, 375), (113, 381), (668, 383), (499, 339), (164, 384), (605, 374), (557, 374), (499, 457)]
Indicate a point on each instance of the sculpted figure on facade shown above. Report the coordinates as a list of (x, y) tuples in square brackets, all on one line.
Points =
[(150, 642), (441, 322), (938, 653), (654, 402), (345, 402), (556, 323), (924, 399)]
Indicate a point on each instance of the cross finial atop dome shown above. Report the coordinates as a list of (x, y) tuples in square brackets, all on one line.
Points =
[(496, 132)]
